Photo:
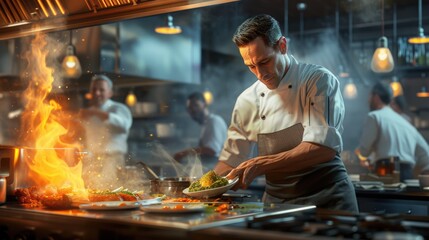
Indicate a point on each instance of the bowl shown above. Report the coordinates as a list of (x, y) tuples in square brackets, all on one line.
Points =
[(213, 192), (424, 180)]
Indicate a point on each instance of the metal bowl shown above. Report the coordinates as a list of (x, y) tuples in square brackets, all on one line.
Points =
[(171, 187)]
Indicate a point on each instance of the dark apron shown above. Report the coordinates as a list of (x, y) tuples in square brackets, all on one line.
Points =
[(325, 185)]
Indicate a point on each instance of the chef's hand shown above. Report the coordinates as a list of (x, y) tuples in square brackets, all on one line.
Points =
[(247, 172)]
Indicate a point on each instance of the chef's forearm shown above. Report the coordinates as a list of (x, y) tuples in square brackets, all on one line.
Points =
[(303, 156)]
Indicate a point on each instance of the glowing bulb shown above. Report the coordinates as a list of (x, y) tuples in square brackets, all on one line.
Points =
[(350, 90), (382, 60), (71, 64), (131, 99), (396, 88), (208, 96)]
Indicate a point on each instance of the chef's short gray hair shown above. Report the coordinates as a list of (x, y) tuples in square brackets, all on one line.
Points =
[(263, 26), (102, 77)]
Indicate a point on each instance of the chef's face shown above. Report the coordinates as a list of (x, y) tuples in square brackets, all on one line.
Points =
[(196, 110), (100, 92), (267, 63)]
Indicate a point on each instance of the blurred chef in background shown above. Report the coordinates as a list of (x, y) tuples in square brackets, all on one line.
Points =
[(107, 124), (399, 105), (213, 132), (387, 134)]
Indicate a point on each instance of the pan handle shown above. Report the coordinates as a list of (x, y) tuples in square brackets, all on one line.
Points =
[(152, 174)]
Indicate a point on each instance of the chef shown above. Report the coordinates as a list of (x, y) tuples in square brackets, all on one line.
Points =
[(212, 135), (294, 112), (388, 134), (107, 124)]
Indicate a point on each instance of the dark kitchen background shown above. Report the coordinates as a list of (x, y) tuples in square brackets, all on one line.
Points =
[(118, 38)]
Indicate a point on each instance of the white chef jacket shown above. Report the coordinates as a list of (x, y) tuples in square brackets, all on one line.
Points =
[(387, 134), (308, 94), (213, 133), (109, 136)]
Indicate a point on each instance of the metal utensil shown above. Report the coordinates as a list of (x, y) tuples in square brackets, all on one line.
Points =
[(153, 175)]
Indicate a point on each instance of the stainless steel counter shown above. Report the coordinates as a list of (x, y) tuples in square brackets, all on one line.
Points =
[(132, 224)]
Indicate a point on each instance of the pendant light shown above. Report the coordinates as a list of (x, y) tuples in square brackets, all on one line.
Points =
[(382, 60), (396, 87), (420, 38), (423, 93), (208, 96), (71, 65), (131, 99), (170, 28), (350, 90)]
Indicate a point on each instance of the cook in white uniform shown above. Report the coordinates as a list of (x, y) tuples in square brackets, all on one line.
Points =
[(212, 135), (298, 110), (107, 124), (387, 134)]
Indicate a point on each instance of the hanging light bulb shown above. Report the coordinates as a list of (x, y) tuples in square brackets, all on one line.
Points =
[(131, 99), (170, 28), (396, 87), (420, 38), (350, 90), (71, 65), (423, 93), (208, 96), (382, 60)]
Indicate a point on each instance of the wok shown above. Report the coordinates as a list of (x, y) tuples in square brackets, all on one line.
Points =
[(169, 186)]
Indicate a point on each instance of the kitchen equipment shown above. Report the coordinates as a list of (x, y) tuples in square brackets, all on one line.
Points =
[(386, 170), (424, 181), (4, 172), (169, 186)]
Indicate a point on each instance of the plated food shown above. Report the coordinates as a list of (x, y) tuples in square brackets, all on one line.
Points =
[(209, 180), (210, 185)]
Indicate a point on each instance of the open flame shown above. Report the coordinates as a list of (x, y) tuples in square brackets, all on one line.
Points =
[(45, 127)]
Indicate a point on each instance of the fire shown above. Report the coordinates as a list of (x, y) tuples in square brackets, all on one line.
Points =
[(45, 126)]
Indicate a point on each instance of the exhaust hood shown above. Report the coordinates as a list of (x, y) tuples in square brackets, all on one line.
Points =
[(20, 18)]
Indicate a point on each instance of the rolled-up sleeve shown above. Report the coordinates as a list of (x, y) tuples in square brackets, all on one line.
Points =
[(324, 112)]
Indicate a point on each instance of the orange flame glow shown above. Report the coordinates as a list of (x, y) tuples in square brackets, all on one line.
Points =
[(44, 126)]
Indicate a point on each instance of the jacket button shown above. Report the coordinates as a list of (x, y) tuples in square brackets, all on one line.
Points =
[(263, 117), (262, 94)]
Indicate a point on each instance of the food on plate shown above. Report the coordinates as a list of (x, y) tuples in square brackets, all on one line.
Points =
[(175, 207), (63, 198), (208, 181), (183, 199)]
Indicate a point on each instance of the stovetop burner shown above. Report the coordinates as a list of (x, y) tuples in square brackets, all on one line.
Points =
[(359, 226)]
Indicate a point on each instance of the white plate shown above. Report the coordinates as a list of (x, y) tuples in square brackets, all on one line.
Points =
[(208, 193), (110, 205), (167, 208)]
